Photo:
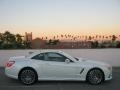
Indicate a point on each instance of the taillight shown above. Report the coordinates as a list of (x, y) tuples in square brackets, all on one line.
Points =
[(10, 63)]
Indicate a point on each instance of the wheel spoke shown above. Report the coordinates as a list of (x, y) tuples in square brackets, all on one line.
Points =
[(27, 76), (95, 76)]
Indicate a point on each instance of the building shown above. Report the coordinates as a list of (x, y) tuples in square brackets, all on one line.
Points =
[(38, 43), (41, 44), (28, 37), (73, 45)]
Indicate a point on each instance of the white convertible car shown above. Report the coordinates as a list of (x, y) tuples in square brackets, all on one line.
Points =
[(56, 65)]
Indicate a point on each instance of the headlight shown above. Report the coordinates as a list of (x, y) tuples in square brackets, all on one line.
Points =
[(109, 68)]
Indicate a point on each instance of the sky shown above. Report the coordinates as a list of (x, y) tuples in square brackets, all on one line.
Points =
[(55, 17)]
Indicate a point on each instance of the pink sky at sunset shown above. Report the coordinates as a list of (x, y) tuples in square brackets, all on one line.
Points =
[(56, 17)]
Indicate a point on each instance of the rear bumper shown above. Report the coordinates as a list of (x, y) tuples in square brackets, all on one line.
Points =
[(11, 72)]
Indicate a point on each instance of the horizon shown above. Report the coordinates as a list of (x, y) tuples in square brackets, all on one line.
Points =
[(51, 17), (70, 37)]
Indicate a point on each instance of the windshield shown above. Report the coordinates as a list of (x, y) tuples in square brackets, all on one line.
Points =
[(76, 58)]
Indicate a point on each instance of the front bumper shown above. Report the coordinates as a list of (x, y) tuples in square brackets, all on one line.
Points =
[(108, 74)]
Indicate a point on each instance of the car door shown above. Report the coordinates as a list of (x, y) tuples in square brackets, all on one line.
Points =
[(55, 67)]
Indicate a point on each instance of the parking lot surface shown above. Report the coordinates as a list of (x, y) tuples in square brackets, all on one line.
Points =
[(11, 84)]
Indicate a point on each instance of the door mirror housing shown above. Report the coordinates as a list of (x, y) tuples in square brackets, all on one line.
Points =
[(67, 60)]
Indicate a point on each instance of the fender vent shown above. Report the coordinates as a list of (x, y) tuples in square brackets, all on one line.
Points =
[(81, 71)]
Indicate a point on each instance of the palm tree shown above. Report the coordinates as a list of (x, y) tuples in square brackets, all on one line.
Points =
[(113, 38), (61, 36), (54, 37), (74, 38), (65, 36), (103, 37), (110, 36), (106, 37), (100, 36), (89, 38), (96, 36), (46, 38)]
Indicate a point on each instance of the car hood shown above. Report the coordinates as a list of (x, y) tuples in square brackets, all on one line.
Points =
[(92, 62)]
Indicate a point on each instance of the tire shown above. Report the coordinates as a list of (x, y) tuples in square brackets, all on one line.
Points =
[(28, 76), (95, 76)]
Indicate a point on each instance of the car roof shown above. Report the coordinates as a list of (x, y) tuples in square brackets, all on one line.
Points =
[(42, 51)]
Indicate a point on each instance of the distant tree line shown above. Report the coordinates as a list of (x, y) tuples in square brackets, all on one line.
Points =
[(52, 42), (17, 41), (97, 41), (13, 41), (106, 44)]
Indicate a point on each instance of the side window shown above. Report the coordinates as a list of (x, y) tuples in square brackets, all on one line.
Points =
[(38, 57), (51, 56)]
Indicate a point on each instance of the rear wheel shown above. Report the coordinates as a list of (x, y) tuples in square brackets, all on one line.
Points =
[(95, 76), (28, 76)]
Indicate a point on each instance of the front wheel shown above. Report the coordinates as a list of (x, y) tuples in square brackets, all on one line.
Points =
[(28, 76), (95, 76)]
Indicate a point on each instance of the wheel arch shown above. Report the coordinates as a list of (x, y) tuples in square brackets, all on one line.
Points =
[(98, 69), (27, 68)]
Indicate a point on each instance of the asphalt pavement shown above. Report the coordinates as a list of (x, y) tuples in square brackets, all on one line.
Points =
[(11, 84)]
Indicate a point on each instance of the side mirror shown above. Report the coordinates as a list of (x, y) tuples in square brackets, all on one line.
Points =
[(67, 60)]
